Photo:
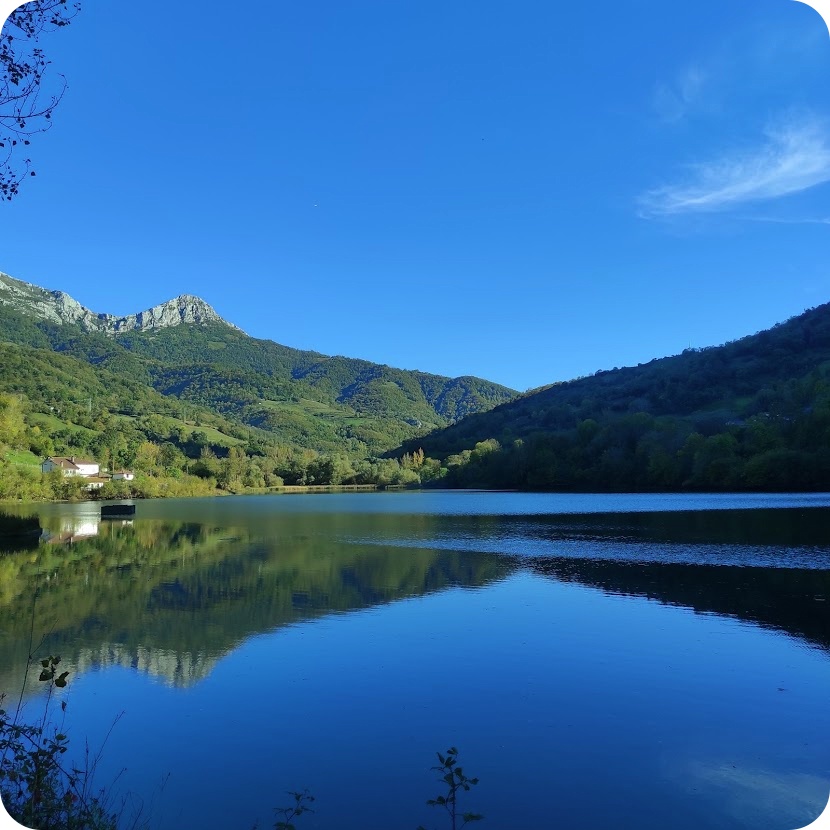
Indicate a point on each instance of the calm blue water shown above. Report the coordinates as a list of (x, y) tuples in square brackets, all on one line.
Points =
[(617, 660)]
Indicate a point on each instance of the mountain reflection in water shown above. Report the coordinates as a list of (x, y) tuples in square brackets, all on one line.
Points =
[(675, 658), (159, 595), (170, 598)]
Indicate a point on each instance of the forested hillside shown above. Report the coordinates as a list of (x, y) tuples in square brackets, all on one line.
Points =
[(194, 407), (57, 404), (752, 414), (303, 398), (203, 406)]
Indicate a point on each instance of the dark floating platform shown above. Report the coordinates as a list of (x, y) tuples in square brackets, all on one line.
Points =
[(117, 511)]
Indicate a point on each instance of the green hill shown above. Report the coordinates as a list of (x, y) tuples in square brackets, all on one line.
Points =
[(751, 414)]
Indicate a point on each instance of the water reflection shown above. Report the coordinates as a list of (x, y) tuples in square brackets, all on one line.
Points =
[(791, 600), (785, 538), (170, 598), (561, 639)]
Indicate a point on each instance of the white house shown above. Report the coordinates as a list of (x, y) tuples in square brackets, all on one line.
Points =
[(71, 466), (74, 466), (123, 475)]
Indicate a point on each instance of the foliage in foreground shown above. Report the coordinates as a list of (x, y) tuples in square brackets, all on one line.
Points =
[(451, 774), (39, 791), (26, 104), (37, 788)]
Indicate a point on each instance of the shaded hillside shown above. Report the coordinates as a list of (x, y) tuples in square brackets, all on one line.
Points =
[(754, 413), (367, 388)]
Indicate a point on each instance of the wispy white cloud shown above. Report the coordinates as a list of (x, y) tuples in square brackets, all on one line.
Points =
[(672, 101), (764, 55), (795, 156)]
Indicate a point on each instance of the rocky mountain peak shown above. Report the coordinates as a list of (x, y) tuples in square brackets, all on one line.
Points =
[(59, 307), (186, 308)]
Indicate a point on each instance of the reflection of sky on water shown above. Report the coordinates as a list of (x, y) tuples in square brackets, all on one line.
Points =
[(338, 649), (749, 794), (456, 503), (573, 708)]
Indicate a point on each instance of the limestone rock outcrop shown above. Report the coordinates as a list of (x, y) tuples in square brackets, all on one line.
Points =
[(59, 307)]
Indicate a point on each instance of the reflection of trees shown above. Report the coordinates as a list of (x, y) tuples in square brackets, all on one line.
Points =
[(781, 527), (18, 532), (788, 599), (172, 597)]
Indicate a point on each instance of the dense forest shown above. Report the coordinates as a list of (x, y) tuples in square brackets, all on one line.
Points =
[(753, 414)]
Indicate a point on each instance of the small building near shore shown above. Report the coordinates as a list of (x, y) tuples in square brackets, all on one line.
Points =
[(71, 466)]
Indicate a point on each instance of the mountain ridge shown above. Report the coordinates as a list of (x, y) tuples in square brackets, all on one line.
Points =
[(184, 350), (61, 308), (752, 414)]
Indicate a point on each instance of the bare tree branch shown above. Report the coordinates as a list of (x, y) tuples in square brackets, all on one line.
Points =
[(25, 105)]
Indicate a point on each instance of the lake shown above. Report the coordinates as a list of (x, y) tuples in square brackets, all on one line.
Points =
[(600, 661)]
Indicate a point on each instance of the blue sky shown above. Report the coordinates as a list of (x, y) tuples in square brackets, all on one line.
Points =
[(527, 192)]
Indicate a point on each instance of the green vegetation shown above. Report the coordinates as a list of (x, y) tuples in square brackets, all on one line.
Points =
[(197, 410), (750, 415), (38, 787), (221, 369), (452, 776), (37, 791), (56, 405)]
